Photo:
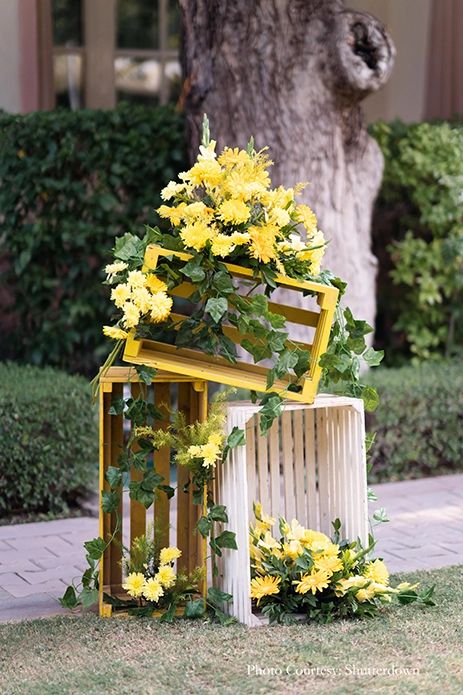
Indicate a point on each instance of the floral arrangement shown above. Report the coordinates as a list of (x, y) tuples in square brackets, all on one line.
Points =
[(305, 572), (224, 211)]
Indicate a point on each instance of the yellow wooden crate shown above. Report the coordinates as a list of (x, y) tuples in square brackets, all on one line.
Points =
[(176, 517), (199, 365)]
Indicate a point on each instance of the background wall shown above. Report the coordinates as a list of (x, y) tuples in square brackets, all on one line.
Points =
[(10, 66)]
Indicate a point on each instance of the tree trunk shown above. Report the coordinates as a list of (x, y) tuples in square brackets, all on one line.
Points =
[(293, 73)]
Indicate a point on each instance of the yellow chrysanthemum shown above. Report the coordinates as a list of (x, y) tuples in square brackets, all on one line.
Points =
[(131, 315), (166, 576), (152, 590), (169, 555), (377, 572), (232, 156), (268, 542), (365, 594), (197, 234), (317, 580), (279, 216), (114, 332), (141, 297), (309, 537), (160, 307), (263, 243), (356, 581), (295, 532), (171, 190), (222, 245), (114, 268), (308, 218), (154, 284), (239, 238), (264, 586), (134, 584), (120, 294), (196, 210), (136, 279), (314, 252), (234, 211), (205, 172), (292, 549), (330, 564), (240, 184), (173, 214)]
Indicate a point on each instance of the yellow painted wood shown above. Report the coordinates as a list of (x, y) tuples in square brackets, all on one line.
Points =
[(193, 363)]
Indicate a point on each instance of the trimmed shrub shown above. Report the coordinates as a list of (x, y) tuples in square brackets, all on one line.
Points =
[(419, 421), (48, 439), (69, 183)]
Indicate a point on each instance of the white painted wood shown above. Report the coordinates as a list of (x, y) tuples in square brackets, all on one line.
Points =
[(311, 466)]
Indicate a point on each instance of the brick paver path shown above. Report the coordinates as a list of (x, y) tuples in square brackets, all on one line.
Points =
[(37, 561)]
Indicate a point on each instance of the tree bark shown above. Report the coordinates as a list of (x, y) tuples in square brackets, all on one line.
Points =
[(293, 73)]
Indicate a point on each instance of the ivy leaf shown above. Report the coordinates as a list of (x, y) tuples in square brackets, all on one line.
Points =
[(227, 539), (170, 492), (370, 398), (272, 406), (222, 282), (145, 373), (117, 406), (216, 307), (218, 513), (303, 363), (95, 548), (215, 596), (373, 357), (169, 615), (69, 599), (88, 597), (204, 526), (113, 476), (237, 437), (110, 501), (195, 609), (259, 351), (193, 270), (137, 493)]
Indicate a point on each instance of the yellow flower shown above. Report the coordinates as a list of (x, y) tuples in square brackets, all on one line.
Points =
[(356, 581), (114, 268), (295, 532), (239, 238), (234, 211), (131, 315), (280, 217), (205, 171), (308, 218), (114, 332), (171, 190), (197, 234), (365, 594), (268, 542), (120, 294), (222, 245), (309, 537), (292, 549), (263, 243), (329, 564), (317, 580), (195, 210), (314, 252), (207, 151), (154, 284), (141, 298), (173, 214), (406, 586), (136, 279), (232, 156), (160, 306), (166, 576), (377, 572), (134, 584), (348, 558), (326, 549), (264, 586), (152, 590), (169, 555)]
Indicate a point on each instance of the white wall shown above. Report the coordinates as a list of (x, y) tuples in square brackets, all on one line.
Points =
[(408, 22), (10, 82)]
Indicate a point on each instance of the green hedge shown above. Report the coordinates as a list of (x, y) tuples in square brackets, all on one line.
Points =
[(419, 421), (48, 439), (69, 183), (418, 238)]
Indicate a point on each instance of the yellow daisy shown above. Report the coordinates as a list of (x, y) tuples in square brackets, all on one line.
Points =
[(317, 580), (264, 586), (377, 572), (169, 555), (160, 306), (134, 584), (115, 333), (152, 590), (166, 576)]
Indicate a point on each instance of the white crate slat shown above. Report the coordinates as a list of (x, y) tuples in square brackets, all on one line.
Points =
[(311, 466)]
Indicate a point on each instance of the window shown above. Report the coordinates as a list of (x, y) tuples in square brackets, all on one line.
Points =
[(105, 51)]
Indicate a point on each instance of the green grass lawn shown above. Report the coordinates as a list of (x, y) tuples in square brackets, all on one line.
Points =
[(88, 655)]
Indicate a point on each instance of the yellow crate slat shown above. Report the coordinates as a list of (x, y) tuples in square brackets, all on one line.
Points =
[(193, 363)]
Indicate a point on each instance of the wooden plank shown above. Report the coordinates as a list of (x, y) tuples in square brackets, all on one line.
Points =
[(288, 465), (262, 471), (323, 470), (162, 465), (299, 466), (250, 430), (137, 510), (312, 505), (275, 474), (116, 447)]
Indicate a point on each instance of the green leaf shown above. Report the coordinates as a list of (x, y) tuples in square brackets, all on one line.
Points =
[(370, 398), (204, 526), (380, 515), (215, 596), (193, 270), (373, 357), (95, 548), (303, 363), (222, 282), (237, 437), (168, 489), (69, 599), (117, 406), (169, 615), (218, 513), (110, 501), (88, 597), (195, 609), (137, 493), (145, 373), (113, 476), (227, 539), (216, 307)]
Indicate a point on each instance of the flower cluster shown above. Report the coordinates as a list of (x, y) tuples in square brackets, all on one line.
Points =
[(224, 205), (140, 296), (156, 577), (307, 572)]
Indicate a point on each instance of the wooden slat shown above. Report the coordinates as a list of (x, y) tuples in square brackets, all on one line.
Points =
[(183, 525), (250, 430), (162, 465), (288, 463), (299, 466), (117, 442), (137, 510), (323, 470), (262, 470), (275, 475), (312, 506)]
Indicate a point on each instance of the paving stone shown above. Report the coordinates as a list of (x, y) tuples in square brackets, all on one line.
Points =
[(64, 572), (55, 587), (26, 608)]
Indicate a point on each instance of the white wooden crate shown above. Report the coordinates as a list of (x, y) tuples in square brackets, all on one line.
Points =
[(311, 466)]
